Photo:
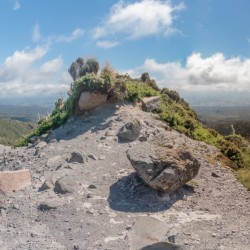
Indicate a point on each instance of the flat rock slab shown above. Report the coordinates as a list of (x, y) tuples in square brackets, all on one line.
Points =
[(14, 180), (150, 233)]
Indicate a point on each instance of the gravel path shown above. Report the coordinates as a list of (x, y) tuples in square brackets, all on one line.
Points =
[(103, 196)]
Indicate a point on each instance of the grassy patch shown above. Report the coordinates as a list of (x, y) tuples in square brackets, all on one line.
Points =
[(243, 175), (11, 130)]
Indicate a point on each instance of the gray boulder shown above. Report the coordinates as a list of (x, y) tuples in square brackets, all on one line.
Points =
[(130, 131), (151, 103), (163, 166)]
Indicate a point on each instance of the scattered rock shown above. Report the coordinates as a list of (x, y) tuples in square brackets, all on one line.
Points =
[(93, 157), (49, 183), (76, 157), (55, 162), (151, 103), (34, 139), (92, 186), (149, 233), (130, 131), (214, 174), (14, 180), (41, 144), (89, 101), (50, 204), (67, 184), (53, 141)]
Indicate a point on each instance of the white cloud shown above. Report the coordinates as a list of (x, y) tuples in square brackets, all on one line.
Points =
[(16, 5), (52, 66), (139, 19), (19, 76), (77, 33), (107, 44), (215, 73), (36, 35)]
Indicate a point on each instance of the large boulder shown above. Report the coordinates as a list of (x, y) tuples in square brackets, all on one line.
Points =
[(164, 165), (130, 131), (91, 100), (11, 181)]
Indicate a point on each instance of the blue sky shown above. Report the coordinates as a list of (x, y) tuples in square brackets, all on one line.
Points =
[(193, 46)]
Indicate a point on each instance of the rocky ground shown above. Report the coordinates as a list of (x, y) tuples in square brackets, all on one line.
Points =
[(86, 195)]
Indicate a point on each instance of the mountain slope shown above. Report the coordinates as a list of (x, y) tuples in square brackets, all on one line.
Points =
[(11, 130), (103, 197)]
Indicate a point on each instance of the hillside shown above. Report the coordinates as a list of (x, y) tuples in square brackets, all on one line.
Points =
[(85, 194), (122, 164), (11, 130), (173, 110)]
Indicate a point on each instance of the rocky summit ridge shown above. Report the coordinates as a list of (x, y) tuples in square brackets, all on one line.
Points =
[(84, 192)]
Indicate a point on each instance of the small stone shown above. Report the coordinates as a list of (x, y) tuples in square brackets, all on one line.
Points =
[(76, 247), (89, 195), (76, 157), (215, 175), (50, 204), (53, 141), (93, 157), (91, 186)]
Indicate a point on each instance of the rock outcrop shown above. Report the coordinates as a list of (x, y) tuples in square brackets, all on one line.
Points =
[(149, 104), (163, 164), (91, 100)]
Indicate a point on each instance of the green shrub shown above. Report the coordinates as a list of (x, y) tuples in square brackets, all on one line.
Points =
[(80, 68), (136, 90)]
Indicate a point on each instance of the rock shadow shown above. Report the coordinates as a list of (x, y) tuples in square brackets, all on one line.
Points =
[(132, 194)]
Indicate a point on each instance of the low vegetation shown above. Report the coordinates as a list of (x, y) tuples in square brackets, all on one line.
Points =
[(173, 110), (11, 130)]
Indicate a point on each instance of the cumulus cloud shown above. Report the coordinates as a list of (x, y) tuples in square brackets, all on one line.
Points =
[(52, 66), (19, 76), (77, 33), (107, 44), (140, 19), (17, 5), (214, 73), (36, 35)]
